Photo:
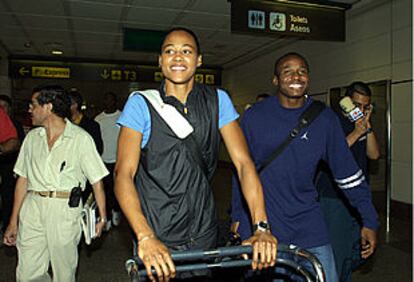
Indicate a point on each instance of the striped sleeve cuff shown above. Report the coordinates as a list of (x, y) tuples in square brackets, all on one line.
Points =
[(351, 181)]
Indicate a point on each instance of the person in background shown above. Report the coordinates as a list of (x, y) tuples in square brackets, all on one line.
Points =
[(92, 127), (343, 221), (54, 163), (109, 130), (9, 141), (78, 117), (7, 161), (162, 185), (295, 215)]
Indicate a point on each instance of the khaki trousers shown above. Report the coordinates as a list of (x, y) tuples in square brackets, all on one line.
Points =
[(49, 232)]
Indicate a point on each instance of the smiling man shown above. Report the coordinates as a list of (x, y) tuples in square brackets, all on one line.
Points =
[(163, 182), (290, 194)]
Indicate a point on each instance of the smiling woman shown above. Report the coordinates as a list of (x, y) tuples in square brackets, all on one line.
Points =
[(163, 182), (179, 60)]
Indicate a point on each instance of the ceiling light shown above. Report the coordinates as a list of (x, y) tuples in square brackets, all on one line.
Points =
[(57, 52)]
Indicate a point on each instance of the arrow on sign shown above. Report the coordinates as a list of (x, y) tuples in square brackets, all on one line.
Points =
[(105, 74), (23, 71)]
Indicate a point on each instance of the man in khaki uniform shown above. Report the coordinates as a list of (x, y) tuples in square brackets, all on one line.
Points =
[(54, 158)]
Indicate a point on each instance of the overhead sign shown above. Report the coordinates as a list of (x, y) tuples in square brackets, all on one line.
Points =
[(22, 68), (50, 72), (142, 40), (305, 20)]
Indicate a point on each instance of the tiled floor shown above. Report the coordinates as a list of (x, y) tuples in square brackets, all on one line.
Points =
[(104, 260)]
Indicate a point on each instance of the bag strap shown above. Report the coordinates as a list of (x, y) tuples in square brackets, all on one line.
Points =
[(305, 119), (172, 117), (178, 124)]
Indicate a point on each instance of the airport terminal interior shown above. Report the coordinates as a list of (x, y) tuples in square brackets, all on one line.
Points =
[(100, 46)]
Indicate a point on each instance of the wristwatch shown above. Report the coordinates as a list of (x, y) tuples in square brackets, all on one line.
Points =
[(369, 130), (262, 226), (103, 219)]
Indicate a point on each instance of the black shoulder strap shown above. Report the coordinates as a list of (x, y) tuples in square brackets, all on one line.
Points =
[(305, 119)]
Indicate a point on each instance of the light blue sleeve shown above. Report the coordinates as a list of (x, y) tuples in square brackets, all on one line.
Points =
[(227, 112), (136, 116)]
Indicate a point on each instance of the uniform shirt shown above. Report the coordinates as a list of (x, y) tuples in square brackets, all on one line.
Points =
[(136, 114), (72, 160), (8, 130), (291, 198), (109, 132)]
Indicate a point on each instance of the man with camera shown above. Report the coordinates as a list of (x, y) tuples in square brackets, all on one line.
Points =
[(343, 221), (54, 162)]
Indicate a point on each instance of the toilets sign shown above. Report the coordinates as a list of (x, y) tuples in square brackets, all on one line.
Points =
[(306, 20)]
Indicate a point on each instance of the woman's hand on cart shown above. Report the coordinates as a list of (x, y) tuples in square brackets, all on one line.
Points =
[(154, 254)]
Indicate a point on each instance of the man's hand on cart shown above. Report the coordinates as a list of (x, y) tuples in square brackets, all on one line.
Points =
[(368, 242), (264, 249), (154, 253)]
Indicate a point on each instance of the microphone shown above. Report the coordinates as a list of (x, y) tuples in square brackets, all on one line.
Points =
[(348, 107)]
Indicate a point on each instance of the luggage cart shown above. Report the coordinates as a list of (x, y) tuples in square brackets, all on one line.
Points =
[(229, 257)]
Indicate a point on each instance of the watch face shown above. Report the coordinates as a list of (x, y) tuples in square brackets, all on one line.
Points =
[(261, 226), (264, 225)]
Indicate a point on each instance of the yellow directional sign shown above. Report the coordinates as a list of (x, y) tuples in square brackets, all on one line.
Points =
[(50, 72), (209, 78), (23, 71), (158, 76), (199, 78), (116, 74), (105, 74)]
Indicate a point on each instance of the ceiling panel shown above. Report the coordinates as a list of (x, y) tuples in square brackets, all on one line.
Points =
[(42, 22), (208, 22), (169, 4), (103, 38), (145, 16), (88, 10), (42, 7), (212, 7), (6, 20), (95, 26)]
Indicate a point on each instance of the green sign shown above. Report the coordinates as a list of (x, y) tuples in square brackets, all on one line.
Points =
[(19, 68), (306, 20), (142, 40)]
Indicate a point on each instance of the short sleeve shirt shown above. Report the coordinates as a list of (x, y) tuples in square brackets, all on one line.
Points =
[(8, 130), (136, 115), (72, 160)]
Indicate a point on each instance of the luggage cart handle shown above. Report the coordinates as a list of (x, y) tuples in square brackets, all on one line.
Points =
[(191, 255), (231, 264)]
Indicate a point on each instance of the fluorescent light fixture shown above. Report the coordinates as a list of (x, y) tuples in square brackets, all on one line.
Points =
[(57, 52)]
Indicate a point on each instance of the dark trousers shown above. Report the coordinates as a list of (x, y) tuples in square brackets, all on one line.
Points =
[(7, 186), (345, 235), (108, 181)]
